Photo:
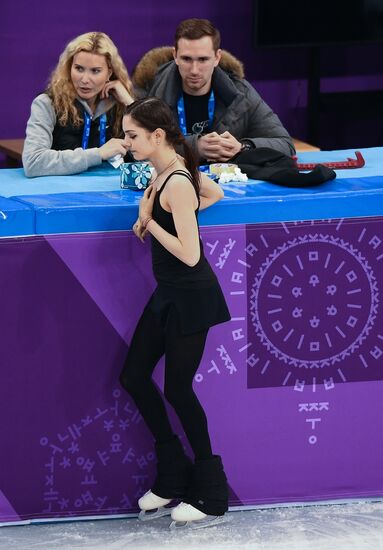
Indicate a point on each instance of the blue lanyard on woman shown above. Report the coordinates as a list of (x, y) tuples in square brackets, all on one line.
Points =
[(86, 132), (182, 115)]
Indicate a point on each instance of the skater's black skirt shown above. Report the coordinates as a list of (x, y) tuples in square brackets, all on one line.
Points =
[(197, 308)]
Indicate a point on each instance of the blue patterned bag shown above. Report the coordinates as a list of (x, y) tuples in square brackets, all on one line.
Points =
[(135, 175)]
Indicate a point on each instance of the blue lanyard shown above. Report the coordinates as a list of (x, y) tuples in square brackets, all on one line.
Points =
[(86, 132), (182, 115)]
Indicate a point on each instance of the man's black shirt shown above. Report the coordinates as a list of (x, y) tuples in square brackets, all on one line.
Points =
[(196, 113)]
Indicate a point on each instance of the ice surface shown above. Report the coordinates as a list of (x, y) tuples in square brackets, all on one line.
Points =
[(353, 526)]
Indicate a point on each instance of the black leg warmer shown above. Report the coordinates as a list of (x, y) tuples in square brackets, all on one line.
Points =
[(174, 470), (208, 491)]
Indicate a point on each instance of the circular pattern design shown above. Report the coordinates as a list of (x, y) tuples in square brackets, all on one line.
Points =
[(314, 301)]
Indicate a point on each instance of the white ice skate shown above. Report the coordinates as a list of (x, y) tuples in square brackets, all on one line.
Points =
[(153, 507), (185, 516)]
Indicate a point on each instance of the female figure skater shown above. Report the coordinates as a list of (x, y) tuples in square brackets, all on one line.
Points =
[(175, 322)]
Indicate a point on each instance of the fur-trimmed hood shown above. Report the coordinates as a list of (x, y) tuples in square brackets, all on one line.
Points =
[(146, 69)]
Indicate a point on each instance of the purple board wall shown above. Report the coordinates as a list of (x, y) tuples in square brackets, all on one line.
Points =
[(292, 384)]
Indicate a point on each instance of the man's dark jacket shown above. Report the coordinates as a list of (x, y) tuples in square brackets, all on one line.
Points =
[(239, 108)]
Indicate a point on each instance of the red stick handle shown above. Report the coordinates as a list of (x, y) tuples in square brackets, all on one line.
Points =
[(359, 162)]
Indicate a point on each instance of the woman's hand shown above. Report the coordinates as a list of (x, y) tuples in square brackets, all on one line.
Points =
[(139, 231), (114, 146), (118, 91), (146, 204)]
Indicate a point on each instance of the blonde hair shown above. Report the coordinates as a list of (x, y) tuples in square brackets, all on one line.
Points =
[(60, 88)]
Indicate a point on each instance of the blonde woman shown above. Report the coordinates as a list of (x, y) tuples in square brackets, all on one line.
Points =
[(76, 123)]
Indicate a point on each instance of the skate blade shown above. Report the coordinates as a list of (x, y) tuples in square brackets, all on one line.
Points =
[(148, 515), (209, 521)]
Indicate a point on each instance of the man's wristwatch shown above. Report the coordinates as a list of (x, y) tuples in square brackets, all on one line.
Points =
[(246, 145)]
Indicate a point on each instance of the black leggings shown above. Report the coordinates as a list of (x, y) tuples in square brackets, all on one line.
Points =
[(183, 354)]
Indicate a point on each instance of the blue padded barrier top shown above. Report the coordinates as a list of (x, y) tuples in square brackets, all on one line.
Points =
[(105, 178), (93, 201), (100, 178)]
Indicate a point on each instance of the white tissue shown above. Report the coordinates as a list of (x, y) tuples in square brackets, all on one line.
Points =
[(116, 161), (225, 177)]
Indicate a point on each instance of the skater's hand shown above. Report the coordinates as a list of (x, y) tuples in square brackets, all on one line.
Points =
[(139, 231)]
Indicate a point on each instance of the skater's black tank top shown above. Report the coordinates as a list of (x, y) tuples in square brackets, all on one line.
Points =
[(167, 268), (194, 291)]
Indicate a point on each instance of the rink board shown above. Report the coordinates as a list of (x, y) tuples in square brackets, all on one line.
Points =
[(291, 385)]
